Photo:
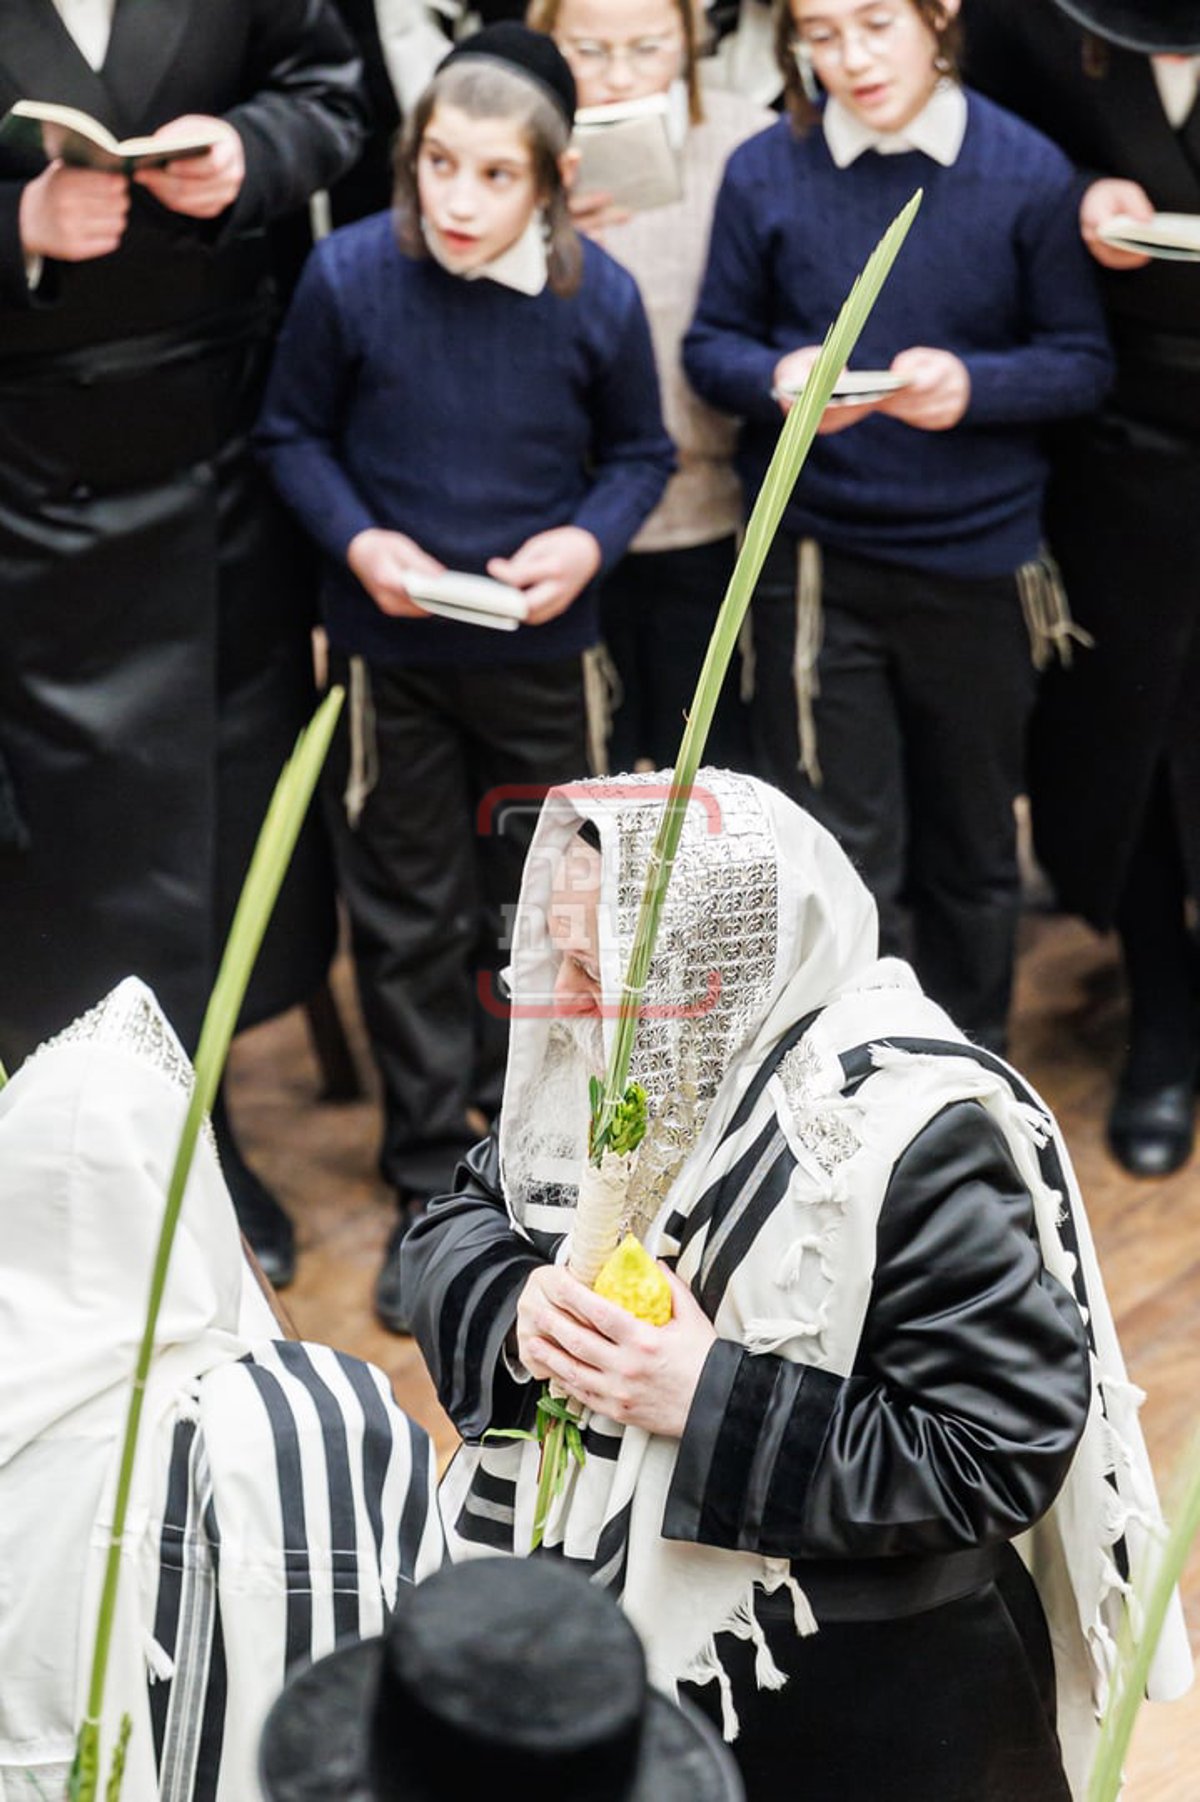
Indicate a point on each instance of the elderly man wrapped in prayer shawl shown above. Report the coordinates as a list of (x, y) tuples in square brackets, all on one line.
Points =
[(279, 1495), (891, 1356)]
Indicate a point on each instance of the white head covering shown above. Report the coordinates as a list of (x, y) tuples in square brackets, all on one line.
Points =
[(764, 920), (89, 1128)]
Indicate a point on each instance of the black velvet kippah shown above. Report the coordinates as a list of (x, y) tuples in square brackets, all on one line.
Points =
[(531, 53)]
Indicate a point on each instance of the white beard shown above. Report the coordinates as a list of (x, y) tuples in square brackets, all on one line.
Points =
[(586, 1034)]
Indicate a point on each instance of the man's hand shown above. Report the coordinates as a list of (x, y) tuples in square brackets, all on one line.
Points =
[(938, 391), (200, 186), (73, 215), (1105, 200), (641, 1375), (380, 560), (792, 372), (551, 569)]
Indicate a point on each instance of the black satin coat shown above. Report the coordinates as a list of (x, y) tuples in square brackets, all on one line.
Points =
[(894, 1491), (155, 604), (1123, 510)]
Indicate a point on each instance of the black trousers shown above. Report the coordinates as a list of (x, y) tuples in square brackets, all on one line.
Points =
[(925, 689), (657, 610), (430, 876)]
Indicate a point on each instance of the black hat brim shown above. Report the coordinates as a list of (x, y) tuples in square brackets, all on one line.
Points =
[(315, 1736), (1171, 26)]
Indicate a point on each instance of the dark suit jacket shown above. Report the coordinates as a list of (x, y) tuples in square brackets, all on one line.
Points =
[(284, 72), (1101, 105)]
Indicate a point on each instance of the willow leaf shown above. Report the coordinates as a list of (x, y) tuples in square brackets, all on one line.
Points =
[(272, 854), (795, 442)]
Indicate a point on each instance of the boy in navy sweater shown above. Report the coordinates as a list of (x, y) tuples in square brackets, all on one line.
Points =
[(479, 395), (905, 734)]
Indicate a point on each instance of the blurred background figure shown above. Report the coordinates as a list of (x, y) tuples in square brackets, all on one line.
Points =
[(155, 636), (895, 630), (658, 605), (1115, 750), (280, 1499)]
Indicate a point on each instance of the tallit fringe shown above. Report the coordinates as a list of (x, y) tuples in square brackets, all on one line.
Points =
[(364, 751), (706, 1667), (744, 1623), (820, 1244), (805, 653), (160, 1666), (764, 1335), (1047, 614), (602, 695)]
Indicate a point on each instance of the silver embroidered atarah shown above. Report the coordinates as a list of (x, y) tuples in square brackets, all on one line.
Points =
[(819, 1122), (130, 1020)]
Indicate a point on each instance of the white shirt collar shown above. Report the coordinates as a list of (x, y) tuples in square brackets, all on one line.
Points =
[(90, 24), (1178, 79), (522, 266), (938, 130)]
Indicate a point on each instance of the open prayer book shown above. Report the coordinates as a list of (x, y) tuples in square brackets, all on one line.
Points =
[(1174, 236), (475, 600), (64, 131), (625, 151), (858, 387)]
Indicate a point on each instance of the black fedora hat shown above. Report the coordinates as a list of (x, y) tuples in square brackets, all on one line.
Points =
[(514, 1675), (1148, 25)]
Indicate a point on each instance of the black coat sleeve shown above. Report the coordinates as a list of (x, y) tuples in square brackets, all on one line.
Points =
[(968, 1398), (462, 1271), (303, 120)]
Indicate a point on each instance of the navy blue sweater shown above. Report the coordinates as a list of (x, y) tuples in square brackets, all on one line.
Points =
[(993, 270), (467, 416)]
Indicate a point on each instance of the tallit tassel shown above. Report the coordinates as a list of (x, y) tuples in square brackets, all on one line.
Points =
[(160, 1666), (1047, 614), (364, 752), (806, 652), (802, 1614), (792, 1267), (706, 1667), (602, 695), (769, 1335), (767, 1673)]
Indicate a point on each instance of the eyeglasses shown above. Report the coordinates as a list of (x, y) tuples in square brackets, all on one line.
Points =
[(816, 43), (645, 56)]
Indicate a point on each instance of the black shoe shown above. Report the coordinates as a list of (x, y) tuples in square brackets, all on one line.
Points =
[(1153, 1134), (387, 1285), (268, 1230)]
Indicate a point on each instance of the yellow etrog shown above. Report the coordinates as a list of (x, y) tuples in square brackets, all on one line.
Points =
[(632, 1279)]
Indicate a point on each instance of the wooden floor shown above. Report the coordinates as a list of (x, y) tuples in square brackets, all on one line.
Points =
[(320, 1158)]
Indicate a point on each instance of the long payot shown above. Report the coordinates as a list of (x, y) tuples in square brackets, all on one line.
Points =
[(272, 854)]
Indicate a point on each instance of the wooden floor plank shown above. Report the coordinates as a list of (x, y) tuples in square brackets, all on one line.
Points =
[(1067, 1040)]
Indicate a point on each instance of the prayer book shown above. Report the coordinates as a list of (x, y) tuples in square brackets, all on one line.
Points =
[(858, 387), (1174, 236), (64, 131), (625, 150), (475, 600)]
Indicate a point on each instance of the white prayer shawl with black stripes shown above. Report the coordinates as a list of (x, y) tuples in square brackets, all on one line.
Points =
[(801, 1158), (279, 1495)]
